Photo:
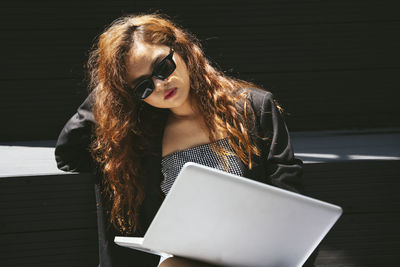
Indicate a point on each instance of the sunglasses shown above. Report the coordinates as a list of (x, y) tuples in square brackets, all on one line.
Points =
[(161, 71)]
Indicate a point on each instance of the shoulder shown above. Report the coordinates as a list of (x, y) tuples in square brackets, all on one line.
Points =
[(259, 99)]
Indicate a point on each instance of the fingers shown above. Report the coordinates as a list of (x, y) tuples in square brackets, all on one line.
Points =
[(182, 262)]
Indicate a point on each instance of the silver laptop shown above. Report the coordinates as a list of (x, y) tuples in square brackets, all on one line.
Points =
[(224, 219)]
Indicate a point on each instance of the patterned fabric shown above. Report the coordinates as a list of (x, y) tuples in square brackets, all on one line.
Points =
[(172, 163)]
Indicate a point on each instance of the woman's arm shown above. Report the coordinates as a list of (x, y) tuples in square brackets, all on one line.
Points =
[(72, 148), (282, 168)]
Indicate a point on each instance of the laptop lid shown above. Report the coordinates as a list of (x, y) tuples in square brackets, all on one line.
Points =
[(221, 218)]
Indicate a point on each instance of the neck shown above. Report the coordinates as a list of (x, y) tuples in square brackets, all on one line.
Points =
[(186, 111)]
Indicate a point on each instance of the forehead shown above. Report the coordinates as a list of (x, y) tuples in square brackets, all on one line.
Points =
[(140, 57)]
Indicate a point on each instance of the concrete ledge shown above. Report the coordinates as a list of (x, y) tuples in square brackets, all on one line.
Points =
[(330, 146), (37, 157), (28, 159)]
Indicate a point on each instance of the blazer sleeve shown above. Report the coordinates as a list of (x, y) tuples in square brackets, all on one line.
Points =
[(72, 148), (281, 167)]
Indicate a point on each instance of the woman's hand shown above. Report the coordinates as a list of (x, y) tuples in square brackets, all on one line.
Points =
[(182, 262)]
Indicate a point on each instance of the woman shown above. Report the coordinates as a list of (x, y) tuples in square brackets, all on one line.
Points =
[(156, 103)]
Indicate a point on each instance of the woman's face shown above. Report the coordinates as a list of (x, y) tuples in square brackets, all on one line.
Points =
[(173, 91)]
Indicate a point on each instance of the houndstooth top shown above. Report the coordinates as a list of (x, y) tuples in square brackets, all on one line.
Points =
[(172, 163)]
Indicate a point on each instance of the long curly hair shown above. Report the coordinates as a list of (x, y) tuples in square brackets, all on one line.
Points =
[(125, 126)]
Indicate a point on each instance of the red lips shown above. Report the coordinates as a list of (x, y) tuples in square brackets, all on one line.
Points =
[(170, 93)]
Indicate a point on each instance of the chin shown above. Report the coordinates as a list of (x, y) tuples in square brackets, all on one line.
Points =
[(175, 104)]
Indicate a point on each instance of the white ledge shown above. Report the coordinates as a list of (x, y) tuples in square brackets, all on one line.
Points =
[(37, 157)]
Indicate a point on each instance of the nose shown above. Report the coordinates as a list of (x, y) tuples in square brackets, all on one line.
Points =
[(158, 84)]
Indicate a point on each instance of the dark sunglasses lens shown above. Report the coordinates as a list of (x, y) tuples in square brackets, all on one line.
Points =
[(144, 89), (165, 68)]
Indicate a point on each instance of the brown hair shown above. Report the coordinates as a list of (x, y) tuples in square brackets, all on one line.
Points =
[(121, 126)]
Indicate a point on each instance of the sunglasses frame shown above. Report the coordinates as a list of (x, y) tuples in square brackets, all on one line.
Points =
[(143, 94)]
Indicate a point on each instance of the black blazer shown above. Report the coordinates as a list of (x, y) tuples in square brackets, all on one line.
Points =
[(276, 166)]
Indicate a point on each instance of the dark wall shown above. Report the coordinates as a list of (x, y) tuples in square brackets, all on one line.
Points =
[(331, 64)]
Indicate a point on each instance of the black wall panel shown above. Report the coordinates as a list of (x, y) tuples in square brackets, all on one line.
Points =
[(331, 64), (48, 220)]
